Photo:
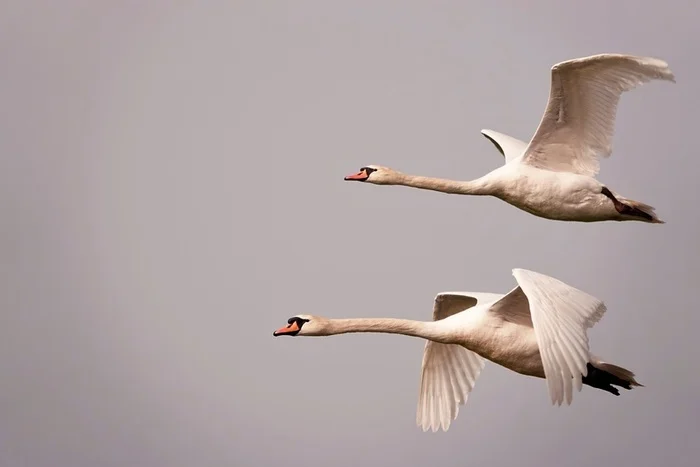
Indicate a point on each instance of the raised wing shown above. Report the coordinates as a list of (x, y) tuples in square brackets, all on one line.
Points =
[(449, 371), (509, 147), (561, 316), (579, 121)]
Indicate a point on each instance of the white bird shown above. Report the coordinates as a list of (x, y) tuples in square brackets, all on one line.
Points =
[(554, 175), (537, 329)]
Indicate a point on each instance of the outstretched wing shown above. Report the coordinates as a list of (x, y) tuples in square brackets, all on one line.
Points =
[(509, 147), (561, 315), (449, 371), (578, 123)]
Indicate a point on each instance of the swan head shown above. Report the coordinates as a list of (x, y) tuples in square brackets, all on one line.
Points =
[(375, 174), (302, 325)]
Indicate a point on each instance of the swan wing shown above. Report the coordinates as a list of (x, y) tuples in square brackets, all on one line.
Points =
[(448, 375), (509, 147), (449, 371), (561, 315), (577, 127), (449, 303)]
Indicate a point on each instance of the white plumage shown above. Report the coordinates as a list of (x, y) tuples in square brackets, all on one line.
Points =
[(537, 329), (554, 175), (577, 127), (561, 315)]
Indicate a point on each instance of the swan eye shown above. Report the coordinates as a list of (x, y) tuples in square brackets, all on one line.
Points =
[(295, 319)]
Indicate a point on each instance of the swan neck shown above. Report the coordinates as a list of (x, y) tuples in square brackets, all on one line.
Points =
[(433, 331), (471, 187)]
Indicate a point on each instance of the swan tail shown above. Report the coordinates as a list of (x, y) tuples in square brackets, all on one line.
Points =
[(642, 210), (606, 376)]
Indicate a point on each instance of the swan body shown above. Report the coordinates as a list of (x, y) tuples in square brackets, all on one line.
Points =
[(537, 329), (553, 176), (553, 195)]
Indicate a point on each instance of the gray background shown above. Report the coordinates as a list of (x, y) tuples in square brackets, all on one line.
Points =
[(172, 192)]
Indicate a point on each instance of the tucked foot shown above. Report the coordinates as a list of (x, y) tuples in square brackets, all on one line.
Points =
[(632, 211), (601, 379), (632, 208)]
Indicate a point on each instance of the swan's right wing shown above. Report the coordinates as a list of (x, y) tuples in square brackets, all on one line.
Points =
[(449, 371), (561, 315), (578, 124), (509, 147)]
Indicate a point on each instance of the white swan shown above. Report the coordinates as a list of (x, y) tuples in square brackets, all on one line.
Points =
[(554, 175), (537, 329)]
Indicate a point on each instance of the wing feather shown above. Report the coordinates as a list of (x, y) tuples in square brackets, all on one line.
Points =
[(449, 371), (561, 315), (448, 376), (509, 147), (577, 127)]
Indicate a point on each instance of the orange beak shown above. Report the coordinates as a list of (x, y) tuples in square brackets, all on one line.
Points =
[(288, 329), (360, 176)]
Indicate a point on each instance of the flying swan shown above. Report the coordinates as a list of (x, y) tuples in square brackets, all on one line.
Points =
[(554, 175), (537, 329)]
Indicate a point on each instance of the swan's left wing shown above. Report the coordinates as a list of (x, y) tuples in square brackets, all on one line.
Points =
[(578, 124), (561, 315), (449, 371), (509, 147)]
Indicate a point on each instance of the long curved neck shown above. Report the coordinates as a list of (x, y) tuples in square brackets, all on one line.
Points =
[(434, 330), (472, 187)]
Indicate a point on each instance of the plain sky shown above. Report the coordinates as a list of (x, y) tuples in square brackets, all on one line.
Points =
[(172, 192)]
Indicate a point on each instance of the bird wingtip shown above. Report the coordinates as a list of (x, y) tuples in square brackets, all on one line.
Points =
[(661, 66)]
